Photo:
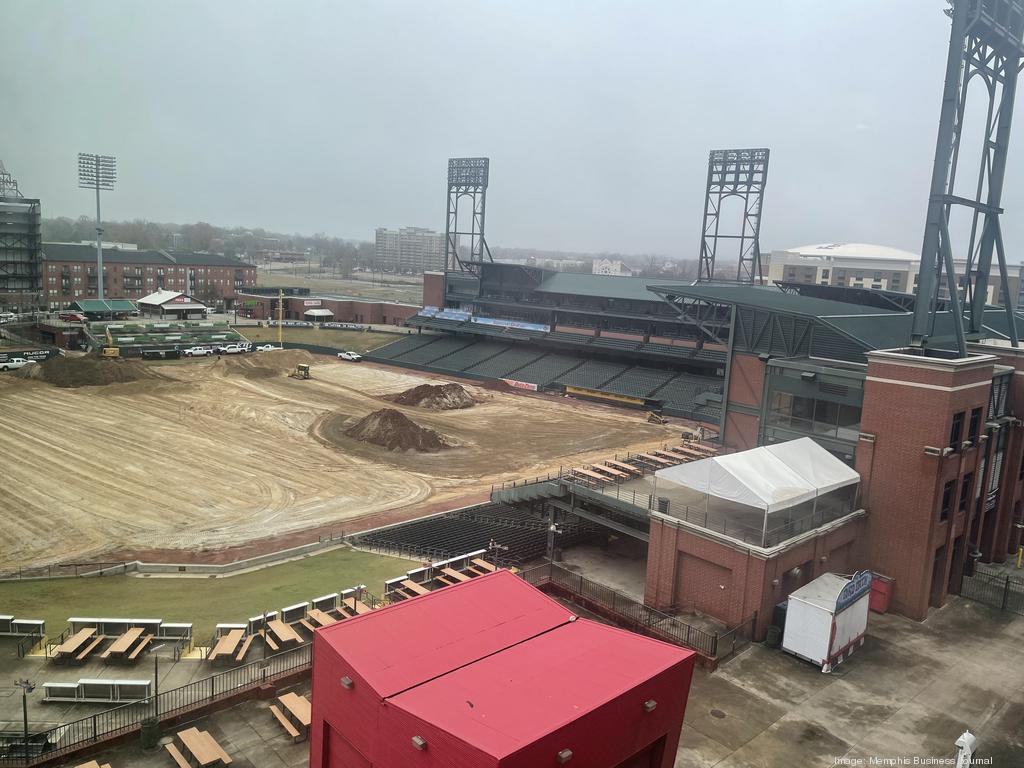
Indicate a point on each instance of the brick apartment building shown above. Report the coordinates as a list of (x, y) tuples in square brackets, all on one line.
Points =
[(69, 274)]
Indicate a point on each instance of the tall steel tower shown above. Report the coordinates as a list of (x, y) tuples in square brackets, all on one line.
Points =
[(734, 173), (985, 45), (467, 185)]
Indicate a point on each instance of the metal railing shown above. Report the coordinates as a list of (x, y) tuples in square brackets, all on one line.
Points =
[(79, 734), (995, 589), (641, 618), (65, 571)]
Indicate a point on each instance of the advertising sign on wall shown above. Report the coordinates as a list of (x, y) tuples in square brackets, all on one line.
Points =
[(311, 303), (521, 384)]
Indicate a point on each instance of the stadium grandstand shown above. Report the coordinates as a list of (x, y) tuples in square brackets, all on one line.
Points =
[(137, 339), (600, 337)]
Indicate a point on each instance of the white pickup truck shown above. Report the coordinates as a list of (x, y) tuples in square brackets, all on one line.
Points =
[(231, 349), (14, 363), (197, 352)]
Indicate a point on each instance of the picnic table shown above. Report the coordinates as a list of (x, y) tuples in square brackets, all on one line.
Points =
[(321, 618), (298, 708), (356, 605), (654, 459), (415, 588), (483, 565), (283, 632), (124, 643), (451, 572), (203, 748), (93, 764), (227, 644), (623, 466), (73, 643)]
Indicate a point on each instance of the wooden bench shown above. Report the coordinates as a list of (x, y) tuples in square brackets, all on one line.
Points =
[(140, 647), (415, 588), (444, 580), (245, 648), (322, 618), (285, 723), (588, 473), (453, 574), (307, 625), (93, 764), (484, 565), (179, 758), (269, 641), (655, 459), (624, 467), (89, 648), (609, 470)]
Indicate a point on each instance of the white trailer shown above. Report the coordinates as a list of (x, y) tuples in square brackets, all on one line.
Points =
[(826, 620)]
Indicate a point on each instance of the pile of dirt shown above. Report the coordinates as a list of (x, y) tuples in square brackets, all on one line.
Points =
[(264, 365), (73, 372), (396, 432), (438, 397)]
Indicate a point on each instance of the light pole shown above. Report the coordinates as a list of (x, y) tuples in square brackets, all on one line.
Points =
[(26, 689), (97, 172)]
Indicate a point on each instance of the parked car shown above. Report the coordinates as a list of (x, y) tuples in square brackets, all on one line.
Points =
[(265, 347), (71, 317), (6, 317), (197, 352), (230, 349), (354, 357), (14, 363)]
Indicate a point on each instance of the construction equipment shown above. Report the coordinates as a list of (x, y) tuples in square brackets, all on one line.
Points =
[(111, 352), (656, 418), (301, 371)]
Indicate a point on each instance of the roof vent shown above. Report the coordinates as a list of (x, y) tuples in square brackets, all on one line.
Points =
[(564, 756), (419, 742)]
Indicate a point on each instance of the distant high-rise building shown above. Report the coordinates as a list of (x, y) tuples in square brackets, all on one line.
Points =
[(409, 250)]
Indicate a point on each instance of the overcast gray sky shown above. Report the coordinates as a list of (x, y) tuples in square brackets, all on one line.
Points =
[(597, 116)]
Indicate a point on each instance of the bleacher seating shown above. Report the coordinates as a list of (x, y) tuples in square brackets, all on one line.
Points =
[(548, 368), (668, 350), (503, 364), (444, 345), (521, 531), (569, 338), (638, 381), (470, 356), (624, 345), (592, 374), (682, 390), (402, 346)]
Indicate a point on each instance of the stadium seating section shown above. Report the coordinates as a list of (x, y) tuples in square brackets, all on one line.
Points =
[(523, 532), (638, 381)]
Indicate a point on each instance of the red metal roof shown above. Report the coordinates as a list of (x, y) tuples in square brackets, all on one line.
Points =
[(507, 701), (405, 644)]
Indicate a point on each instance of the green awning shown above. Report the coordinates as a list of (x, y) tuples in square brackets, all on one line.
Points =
[(95, 306)]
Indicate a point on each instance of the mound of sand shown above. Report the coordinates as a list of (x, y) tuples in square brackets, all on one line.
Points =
[(396, 432), (72, 372), (264, 365), (438, 397)]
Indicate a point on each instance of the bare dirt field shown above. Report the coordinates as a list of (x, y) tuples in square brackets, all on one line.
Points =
[(215, 454)]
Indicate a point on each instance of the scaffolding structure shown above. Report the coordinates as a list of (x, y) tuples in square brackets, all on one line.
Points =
[(20, 244)]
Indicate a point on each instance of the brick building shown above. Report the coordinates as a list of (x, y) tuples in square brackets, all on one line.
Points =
[(69, 274)]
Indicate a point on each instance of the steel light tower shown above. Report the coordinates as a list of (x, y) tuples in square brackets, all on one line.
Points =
[(97, 172), (467, 180), (741, 174), (986, 46)]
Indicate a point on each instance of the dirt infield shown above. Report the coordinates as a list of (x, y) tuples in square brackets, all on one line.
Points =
[(72, 372), (208, 455)]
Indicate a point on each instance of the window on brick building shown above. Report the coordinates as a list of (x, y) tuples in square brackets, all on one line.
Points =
[(965, 491), (972, 431), (947, 500), (956, 431)]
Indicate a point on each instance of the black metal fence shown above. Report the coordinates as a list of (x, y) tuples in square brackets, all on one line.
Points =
[(641, 618), (65, 570), (999, 590), (79, 734)]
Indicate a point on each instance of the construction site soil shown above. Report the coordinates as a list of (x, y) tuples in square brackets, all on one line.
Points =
[(204, 456), (71, 372), (438, 397), (391, 429)]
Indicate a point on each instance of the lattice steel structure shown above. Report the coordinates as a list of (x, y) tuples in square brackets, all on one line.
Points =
[(20, 244), (739, 173), (985, 44), (467, 185)]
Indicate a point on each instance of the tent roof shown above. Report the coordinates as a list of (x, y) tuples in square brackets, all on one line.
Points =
[(770, 477), (319, 313)]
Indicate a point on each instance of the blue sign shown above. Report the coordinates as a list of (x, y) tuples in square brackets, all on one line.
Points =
[(860, 585)]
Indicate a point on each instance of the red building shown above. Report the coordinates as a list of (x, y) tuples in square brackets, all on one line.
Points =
[(491, 672), (69, 274)]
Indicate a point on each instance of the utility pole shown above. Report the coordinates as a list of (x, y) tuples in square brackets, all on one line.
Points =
[(26, 688)]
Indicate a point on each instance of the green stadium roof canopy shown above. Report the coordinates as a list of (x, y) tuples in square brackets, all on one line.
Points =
[(97, 307), (603, 286)]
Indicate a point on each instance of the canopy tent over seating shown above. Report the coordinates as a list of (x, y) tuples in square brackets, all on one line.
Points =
[(764, 495), (318, 314)]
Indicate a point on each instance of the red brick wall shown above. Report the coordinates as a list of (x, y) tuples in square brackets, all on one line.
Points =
[(746, 380), (731, 582), (740, 431), (902, 486), (433, 289)]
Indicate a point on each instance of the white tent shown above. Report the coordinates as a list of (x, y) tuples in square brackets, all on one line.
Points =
[(769, 478)]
